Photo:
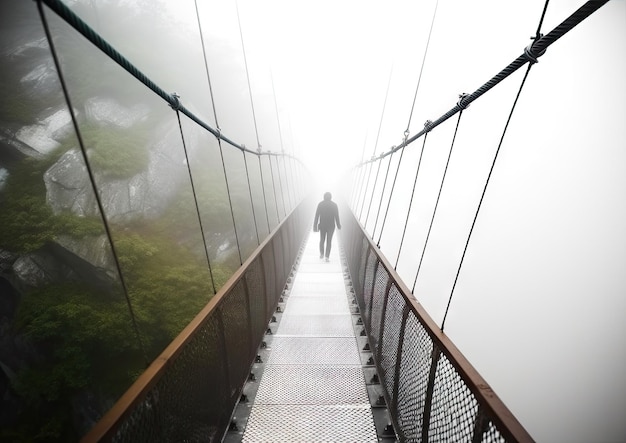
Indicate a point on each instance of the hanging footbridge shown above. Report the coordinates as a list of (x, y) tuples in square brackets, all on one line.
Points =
[(289, 347)]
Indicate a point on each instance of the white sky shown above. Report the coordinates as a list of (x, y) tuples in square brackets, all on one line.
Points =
[(539, 308)]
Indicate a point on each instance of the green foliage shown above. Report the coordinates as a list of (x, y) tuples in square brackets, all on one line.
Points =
[(167, 285), (78, 330), (115, 152), (27, 221), (19, 102)]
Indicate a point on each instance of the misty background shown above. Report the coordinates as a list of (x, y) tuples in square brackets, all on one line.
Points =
[(539, 305)]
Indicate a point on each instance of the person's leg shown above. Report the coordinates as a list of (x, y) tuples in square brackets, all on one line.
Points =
[(322, 237), (329, 240)]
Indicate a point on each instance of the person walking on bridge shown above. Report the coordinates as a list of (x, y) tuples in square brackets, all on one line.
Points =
[(325, 217)]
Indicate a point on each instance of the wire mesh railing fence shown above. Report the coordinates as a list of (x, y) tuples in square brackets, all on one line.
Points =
[(190, 391), (432, 391)]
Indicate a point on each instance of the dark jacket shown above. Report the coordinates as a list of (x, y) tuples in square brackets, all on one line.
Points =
[(327, 214)]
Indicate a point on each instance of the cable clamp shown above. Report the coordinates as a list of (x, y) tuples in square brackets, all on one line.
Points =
[(428, 125), (530, 54), (462, 98), (175, 101)]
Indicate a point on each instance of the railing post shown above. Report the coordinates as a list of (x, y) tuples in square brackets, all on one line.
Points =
[(429, 393), (480, 425), (396, 384), (246, 291), (381, 329), (371, 295)]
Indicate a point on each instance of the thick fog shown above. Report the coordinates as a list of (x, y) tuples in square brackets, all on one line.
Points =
[(538, 308)]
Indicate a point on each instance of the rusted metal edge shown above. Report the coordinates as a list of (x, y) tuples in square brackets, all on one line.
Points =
[(106, 427), (503, 418)]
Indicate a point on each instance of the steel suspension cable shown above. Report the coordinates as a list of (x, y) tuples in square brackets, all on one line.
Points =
[(92, 181), (208, 76), (530, 55), (280, 186), (195, 200), (269, 159), (393, 185), (369, 207), (380, 125), (367, 184), (256, 131), (206, 66), (256, 227), (358, 188), (382, 195), (267, 216), (230, 200), (495, 158), (286, 180), (219, 141), (408, 212), (245, 62), (406, 131), (419, 266), (419, 79), (280, 138)]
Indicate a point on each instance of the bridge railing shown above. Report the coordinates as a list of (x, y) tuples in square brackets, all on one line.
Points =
[(433, 393), (190, 391)]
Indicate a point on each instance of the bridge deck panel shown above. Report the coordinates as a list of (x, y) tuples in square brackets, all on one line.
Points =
[(312, 387)]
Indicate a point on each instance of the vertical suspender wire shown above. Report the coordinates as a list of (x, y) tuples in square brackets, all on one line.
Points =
[(280, 185), (269, 159), (292, 185), (369, 207), (419, 266), (267, 216), (296, 192), (256, 227), (380, 124), (393, 185), (408, 212), (92, 180), (360, 184), (495, 158), (230, 200), (357, 179), (358, 188), (367, 185), (382, 195), (406, 131), (256, 131), (219, 139), (195, 200), (280, 138), (208, 77), (419, 79), (286, 181)]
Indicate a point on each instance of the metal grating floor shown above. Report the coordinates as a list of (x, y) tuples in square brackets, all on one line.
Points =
[(312, 388)]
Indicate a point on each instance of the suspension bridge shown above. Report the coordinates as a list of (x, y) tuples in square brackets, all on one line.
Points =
[(290, 347)]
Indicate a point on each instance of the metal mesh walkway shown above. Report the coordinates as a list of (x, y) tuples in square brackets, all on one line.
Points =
[(312, 387)]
